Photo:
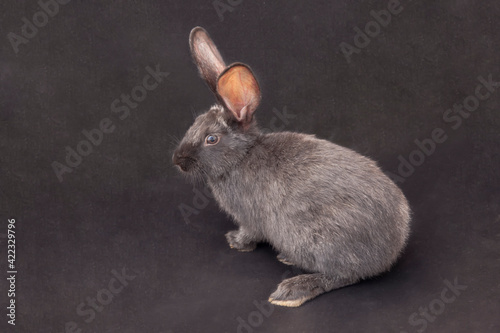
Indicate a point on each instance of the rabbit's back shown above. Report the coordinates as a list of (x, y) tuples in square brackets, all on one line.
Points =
[(325, 207)]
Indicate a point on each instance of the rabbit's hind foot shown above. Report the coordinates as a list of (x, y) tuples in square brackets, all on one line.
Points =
[(293, 292)]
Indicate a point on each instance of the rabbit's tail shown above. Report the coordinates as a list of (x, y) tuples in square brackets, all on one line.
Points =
[(295, 291)]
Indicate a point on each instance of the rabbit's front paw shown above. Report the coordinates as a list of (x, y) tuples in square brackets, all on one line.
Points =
[(281, 257), (237, 240)]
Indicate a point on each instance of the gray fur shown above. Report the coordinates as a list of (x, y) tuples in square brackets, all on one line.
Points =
[(323, 207)]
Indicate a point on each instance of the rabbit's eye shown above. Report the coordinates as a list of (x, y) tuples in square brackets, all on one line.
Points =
[(212, 139)]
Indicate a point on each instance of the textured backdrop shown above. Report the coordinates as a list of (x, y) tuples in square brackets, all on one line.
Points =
[(109, 238)]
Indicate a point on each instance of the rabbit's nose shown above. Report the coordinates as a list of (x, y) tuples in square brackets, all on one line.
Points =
[(182, 161), (177, 157)]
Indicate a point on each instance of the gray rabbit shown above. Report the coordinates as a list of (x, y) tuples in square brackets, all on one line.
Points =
[(325, 208)]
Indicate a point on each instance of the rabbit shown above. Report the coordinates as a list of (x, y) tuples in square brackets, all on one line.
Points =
[(326, 209)]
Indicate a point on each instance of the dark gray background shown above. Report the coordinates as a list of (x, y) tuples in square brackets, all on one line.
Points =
[(120, 206)]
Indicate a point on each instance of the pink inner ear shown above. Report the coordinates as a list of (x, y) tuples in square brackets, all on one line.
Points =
[(240, 91), (240, 98)]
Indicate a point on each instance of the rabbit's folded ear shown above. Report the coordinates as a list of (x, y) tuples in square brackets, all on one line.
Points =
[(239, 89), (206, 56)]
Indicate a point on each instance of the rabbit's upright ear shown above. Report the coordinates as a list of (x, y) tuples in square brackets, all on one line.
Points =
[(239, 89), (206, 56)]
